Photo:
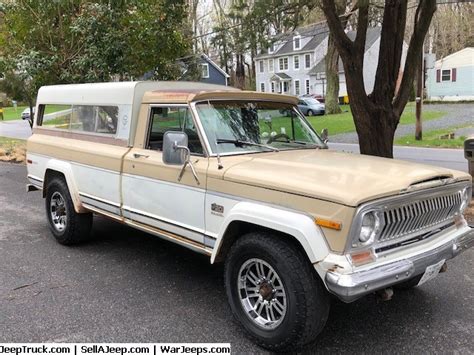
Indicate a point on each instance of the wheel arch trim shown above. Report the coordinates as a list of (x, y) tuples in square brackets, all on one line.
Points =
[(65, 169), (298, 225)]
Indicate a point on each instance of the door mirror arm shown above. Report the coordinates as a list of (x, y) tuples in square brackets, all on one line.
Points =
[(187, 162)]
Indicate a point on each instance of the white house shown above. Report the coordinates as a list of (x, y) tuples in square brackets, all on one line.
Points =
[(295, 64), (452, 77)]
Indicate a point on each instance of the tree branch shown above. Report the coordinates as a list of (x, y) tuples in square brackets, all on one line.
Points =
[(343, 42), (424, 13), (362, 24), (391, 48)]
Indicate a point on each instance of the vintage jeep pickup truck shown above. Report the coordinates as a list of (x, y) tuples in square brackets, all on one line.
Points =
[(243, 178)]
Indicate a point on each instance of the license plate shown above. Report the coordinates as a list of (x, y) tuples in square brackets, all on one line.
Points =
[(431, 272)]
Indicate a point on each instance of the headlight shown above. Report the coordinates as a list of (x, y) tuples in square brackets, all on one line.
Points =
[(466, 195), (370, 227)]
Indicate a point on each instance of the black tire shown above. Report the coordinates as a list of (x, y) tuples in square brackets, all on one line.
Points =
[(307, 300), (409, 284), (309, 113), (77, 225)]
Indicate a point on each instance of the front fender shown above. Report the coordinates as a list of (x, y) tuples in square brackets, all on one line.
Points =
[(295, 224)]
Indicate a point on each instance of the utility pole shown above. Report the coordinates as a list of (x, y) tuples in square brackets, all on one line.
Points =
[(419, 96)]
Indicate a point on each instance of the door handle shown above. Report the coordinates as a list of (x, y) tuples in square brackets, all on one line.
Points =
[(138, 155)]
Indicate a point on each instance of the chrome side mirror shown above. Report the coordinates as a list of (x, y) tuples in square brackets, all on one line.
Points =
[(176, 152), (175, 148), (325, 135)]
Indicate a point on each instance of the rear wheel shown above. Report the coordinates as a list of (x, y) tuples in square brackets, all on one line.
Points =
[(67, 226), (274, 292), (309, 113)]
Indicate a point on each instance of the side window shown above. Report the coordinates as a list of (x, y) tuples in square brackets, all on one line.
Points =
[(55, 116), (96, 119), (171, 118), (82, 118)]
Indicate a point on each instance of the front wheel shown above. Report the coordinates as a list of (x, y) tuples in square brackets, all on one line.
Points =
[(309, 113), (67, 226), (274, 292)]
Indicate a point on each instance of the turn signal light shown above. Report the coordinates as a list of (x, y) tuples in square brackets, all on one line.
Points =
[(326, 223), (363, 257)]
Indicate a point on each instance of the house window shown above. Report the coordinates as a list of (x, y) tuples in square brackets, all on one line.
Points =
[(273, 86), (285, 87), (296, 43), (262, 87), (307, 86), (297, 87), (307, 61), (296, 62), (205, 71), (283, 63), (270, 66), (446, 75), (271, 49), (261, 66)]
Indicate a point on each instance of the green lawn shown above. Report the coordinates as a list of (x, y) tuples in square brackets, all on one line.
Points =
[(343, 122), (10, 114), (431, 139)]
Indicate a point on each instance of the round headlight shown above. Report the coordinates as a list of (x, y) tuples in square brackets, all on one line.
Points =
[(368, 227)]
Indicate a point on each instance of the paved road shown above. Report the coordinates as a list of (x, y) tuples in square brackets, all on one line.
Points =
[(457, 115), (127, 286), (15, 129), (447, 158)]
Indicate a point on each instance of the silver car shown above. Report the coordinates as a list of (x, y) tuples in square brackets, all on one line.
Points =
[(25, 115), (310, 106)]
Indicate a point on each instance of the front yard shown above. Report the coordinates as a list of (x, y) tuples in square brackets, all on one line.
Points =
[(12, 150), (343, 122), (435, 138)]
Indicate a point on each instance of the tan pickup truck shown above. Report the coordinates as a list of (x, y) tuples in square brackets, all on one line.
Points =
[(243, 178)]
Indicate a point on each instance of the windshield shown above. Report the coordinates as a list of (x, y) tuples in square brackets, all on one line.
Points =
[(254, 126)]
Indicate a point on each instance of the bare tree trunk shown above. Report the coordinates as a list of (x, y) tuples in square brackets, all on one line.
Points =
[(332, 67), (332, 76), (376, 116), (240, 72)]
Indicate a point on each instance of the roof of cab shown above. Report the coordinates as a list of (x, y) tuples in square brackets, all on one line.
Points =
[(136, 92)]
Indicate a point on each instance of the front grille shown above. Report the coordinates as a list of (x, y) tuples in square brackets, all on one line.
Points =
[(418, 216)]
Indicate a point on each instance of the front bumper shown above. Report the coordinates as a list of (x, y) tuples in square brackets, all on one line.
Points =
[(355, 284)]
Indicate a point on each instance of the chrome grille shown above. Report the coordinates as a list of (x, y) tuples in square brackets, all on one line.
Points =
[(418, 216)]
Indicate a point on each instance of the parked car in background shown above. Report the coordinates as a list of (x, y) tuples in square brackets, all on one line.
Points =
[(25, 115), (310, 106)]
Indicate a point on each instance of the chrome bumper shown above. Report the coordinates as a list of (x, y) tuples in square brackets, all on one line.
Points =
[(351, 286)]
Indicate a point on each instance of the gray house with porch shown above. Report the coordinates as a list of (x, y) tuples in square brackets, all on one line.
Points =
[(294, 64)]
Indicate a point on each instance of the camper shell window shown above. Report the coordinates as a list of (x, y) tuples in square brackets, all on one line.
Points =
[(80, 118)]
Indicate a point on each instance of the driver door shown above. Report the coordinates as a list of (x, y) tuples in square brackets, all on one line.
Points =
[(152, 195)]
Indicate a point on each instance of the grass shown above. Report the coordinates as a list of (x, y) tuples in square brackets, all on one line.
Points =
[(431, 139), (343, 122), (10, 114), (12, 150)]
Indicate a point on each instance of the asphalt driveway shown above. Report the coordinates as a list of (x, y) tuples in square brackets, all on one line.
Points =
[(127, 286)]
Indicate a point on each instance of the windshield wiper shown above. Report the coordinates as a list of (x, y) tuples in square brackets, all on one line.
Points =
[(240, 143)]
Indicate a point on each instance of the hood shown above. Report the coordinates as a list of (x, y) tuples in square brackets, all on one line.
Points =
[(344, 178)]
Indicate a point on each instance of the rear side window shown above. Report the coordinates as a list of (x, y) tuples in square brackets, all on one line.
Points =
[(81, 118)]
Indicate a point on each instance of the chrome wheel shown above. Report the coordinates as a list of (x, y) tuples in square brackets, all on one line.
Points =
[(262, 294), (58, 212)]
